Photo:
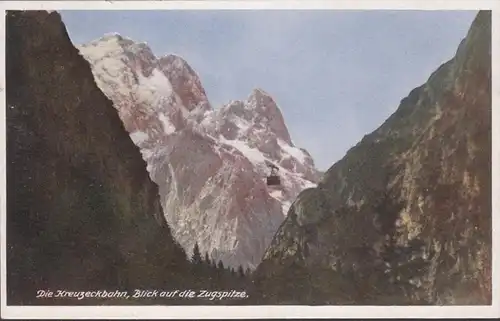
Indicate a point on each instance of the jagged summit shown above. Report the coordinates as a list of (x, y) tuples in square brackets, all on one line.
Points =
[(169, 79), (125, 43), (261, 98), (269, 113), (175, 60), (260, 92), (112, 36), (210, 163), (186, 82)]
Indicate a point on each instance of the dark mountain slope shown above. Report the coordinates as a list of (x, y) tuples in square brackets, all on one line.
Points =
[(405, 216), (83, 213)]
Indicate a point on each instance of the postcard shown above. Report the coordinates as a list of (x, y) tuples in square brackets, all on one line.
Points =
[(249, 159)]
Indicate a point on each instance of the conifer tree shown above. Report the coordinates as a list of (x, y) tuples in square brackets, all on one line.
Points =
[(241, 273), (196, 259)]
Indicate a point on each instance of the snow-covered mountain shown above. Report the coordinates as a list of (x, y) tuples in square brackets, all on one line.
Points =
[(210, 164)]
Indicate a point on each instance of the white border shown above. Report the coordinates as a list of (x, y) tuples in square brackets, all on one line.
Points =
[(246, 312), (255, 4)]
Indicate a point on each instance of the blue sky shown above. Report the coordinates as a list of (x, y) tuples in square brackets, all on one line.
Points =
[(336, 75)]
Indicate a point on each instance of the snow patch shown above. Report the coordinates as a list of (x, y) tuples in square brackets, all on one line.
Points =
[(254, 155), (309, 184), (101, 49), (242, 124), (276, 194), (107, 67), (147, 153), (168, 127), (139, 137), (157, 83), (285, 207), (293, 151)]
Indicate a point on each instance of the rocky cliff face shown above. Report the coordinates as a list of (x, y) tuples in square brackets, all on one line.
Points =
[(405, 216), (210, 164), (82, 211)]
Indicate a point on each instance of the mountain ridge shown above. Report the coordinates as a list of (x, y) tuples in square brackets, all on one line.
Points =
[(405, 216), (215, 159)]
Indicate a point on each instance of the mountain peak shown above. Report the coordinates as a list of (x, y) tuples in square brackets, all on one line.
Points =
[(176, 65), (110, 36), (217, 158), (185, 80), (125, 43), (257, 92), (174, 59), (115, 44), (262, 99), (268, 113)]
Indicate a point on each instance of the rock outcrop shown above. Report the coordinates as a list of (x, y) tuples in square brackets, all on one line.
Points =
[(405, 216)]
